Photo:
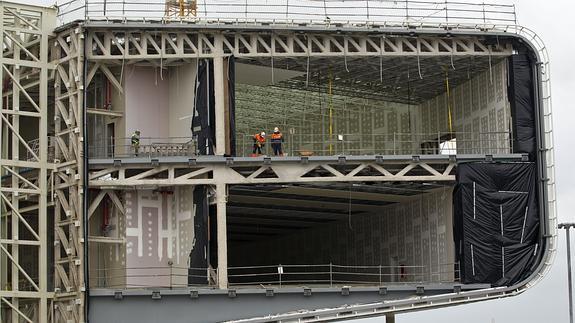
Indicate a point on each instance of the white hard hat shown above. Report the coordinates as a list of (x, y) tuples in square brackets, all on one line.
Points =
[(263, 134), (276, 129)]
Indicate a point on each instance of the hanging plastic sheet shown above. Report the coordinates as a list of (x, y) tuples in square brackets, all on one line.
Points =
[(198, 256), (521, 99), (203, 120), (232, 104), (496, 222)]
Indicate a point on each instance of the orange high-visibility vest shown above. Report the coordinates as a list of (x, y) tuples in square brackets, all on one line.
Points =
[(277, 137), (258, 137)]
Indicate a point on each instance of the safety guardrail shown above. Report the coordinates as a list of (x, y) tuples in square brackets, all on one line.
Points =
[(397, 143), (149, 277), (291, 11), (273, 275), (143, 147)]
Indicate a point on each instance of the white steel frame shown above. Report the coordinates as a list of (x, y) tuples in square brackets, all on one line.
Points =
[(69, 288), (25, 32)]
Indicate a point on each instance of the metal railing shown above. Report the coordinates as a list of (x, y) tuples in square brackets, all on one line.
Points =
[(273, 275), (440, 143), (295, 11), (149, 147), (340, 275), (149, 277)]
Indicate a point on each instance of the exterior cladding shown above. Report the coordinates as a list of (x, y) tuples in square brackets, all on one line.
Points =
[(415, 234)]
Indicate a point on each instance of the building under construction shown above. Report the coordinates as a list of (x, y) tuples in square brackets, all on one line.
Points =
[(416, 168)]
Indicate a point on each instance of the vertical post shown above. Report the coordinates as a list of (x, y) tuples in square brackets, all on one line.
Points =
[(380, 275), (330, 275), (390, 318), (221, 201), (219, 95), (15, 182), (446, 13), (569, 281)]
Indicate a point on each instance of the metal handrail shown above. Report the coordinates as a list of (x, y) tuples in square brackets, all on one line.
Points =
[(280, 275), (333, 274), (149, 147), (296, 11), (396, 143)]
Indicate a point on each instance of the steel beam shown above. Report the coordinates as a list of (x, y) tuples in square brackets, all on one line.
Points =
[(117, 42), (280, 170)]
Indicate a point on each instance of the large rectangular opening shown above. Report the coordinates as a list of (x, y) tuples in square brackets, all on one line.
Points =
[(341, 234), (374, 105)]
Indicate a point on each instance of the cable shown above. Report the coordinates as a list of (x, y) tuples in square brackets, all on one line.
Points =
[(349, 209), (419, 64), (448, 100), (307, 71)]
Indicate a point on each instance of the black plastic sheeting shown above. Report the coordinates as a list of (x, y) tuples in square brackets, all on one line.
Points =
[(232, 103), (496, 222), (203, 120), (198, 254), (521, 99)]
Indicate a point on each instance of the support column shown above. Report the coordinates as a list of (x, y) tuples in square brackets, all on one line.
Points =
[(390, 318), (219, 95), (221, 202)]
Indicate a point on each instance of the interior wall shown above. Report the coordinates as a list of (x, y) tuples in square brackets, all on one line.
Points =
[(182, 86), (479, 105), (415, 233), (160, 105), (107, 260), (158, 229), (147, 97), (366, 125)]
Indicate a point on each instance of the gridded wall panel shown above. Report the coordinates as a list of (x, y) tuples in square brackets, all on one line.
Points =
[(473, 102)]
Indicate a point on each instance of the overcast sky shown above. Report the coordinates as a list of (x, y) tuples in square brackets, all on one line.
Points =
[(554, 21)]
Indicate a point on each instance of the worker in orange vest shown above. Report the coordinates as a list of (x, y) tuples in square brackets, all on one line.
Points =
[(259, 142), (277, 140)]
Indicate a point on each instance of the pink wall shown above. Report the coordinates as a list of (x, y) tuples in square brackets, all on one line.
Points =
[(147, 102), (159, 229)]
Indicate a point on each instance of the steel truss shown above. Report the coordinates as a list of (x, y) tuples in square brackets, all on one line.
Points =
[(115, 43), (24, 295), (109, 174), (69, 241)]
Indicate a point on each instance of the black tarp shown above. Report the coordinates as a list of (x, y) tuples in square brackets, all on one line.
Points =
[(521, 99), (232, 103), (203, 120), (198, 254), (496, 222)]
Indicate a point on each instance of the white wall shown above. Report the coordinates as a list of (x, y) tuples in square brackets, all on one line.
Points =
[(146, 102), (158, 228), (182, 87)]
